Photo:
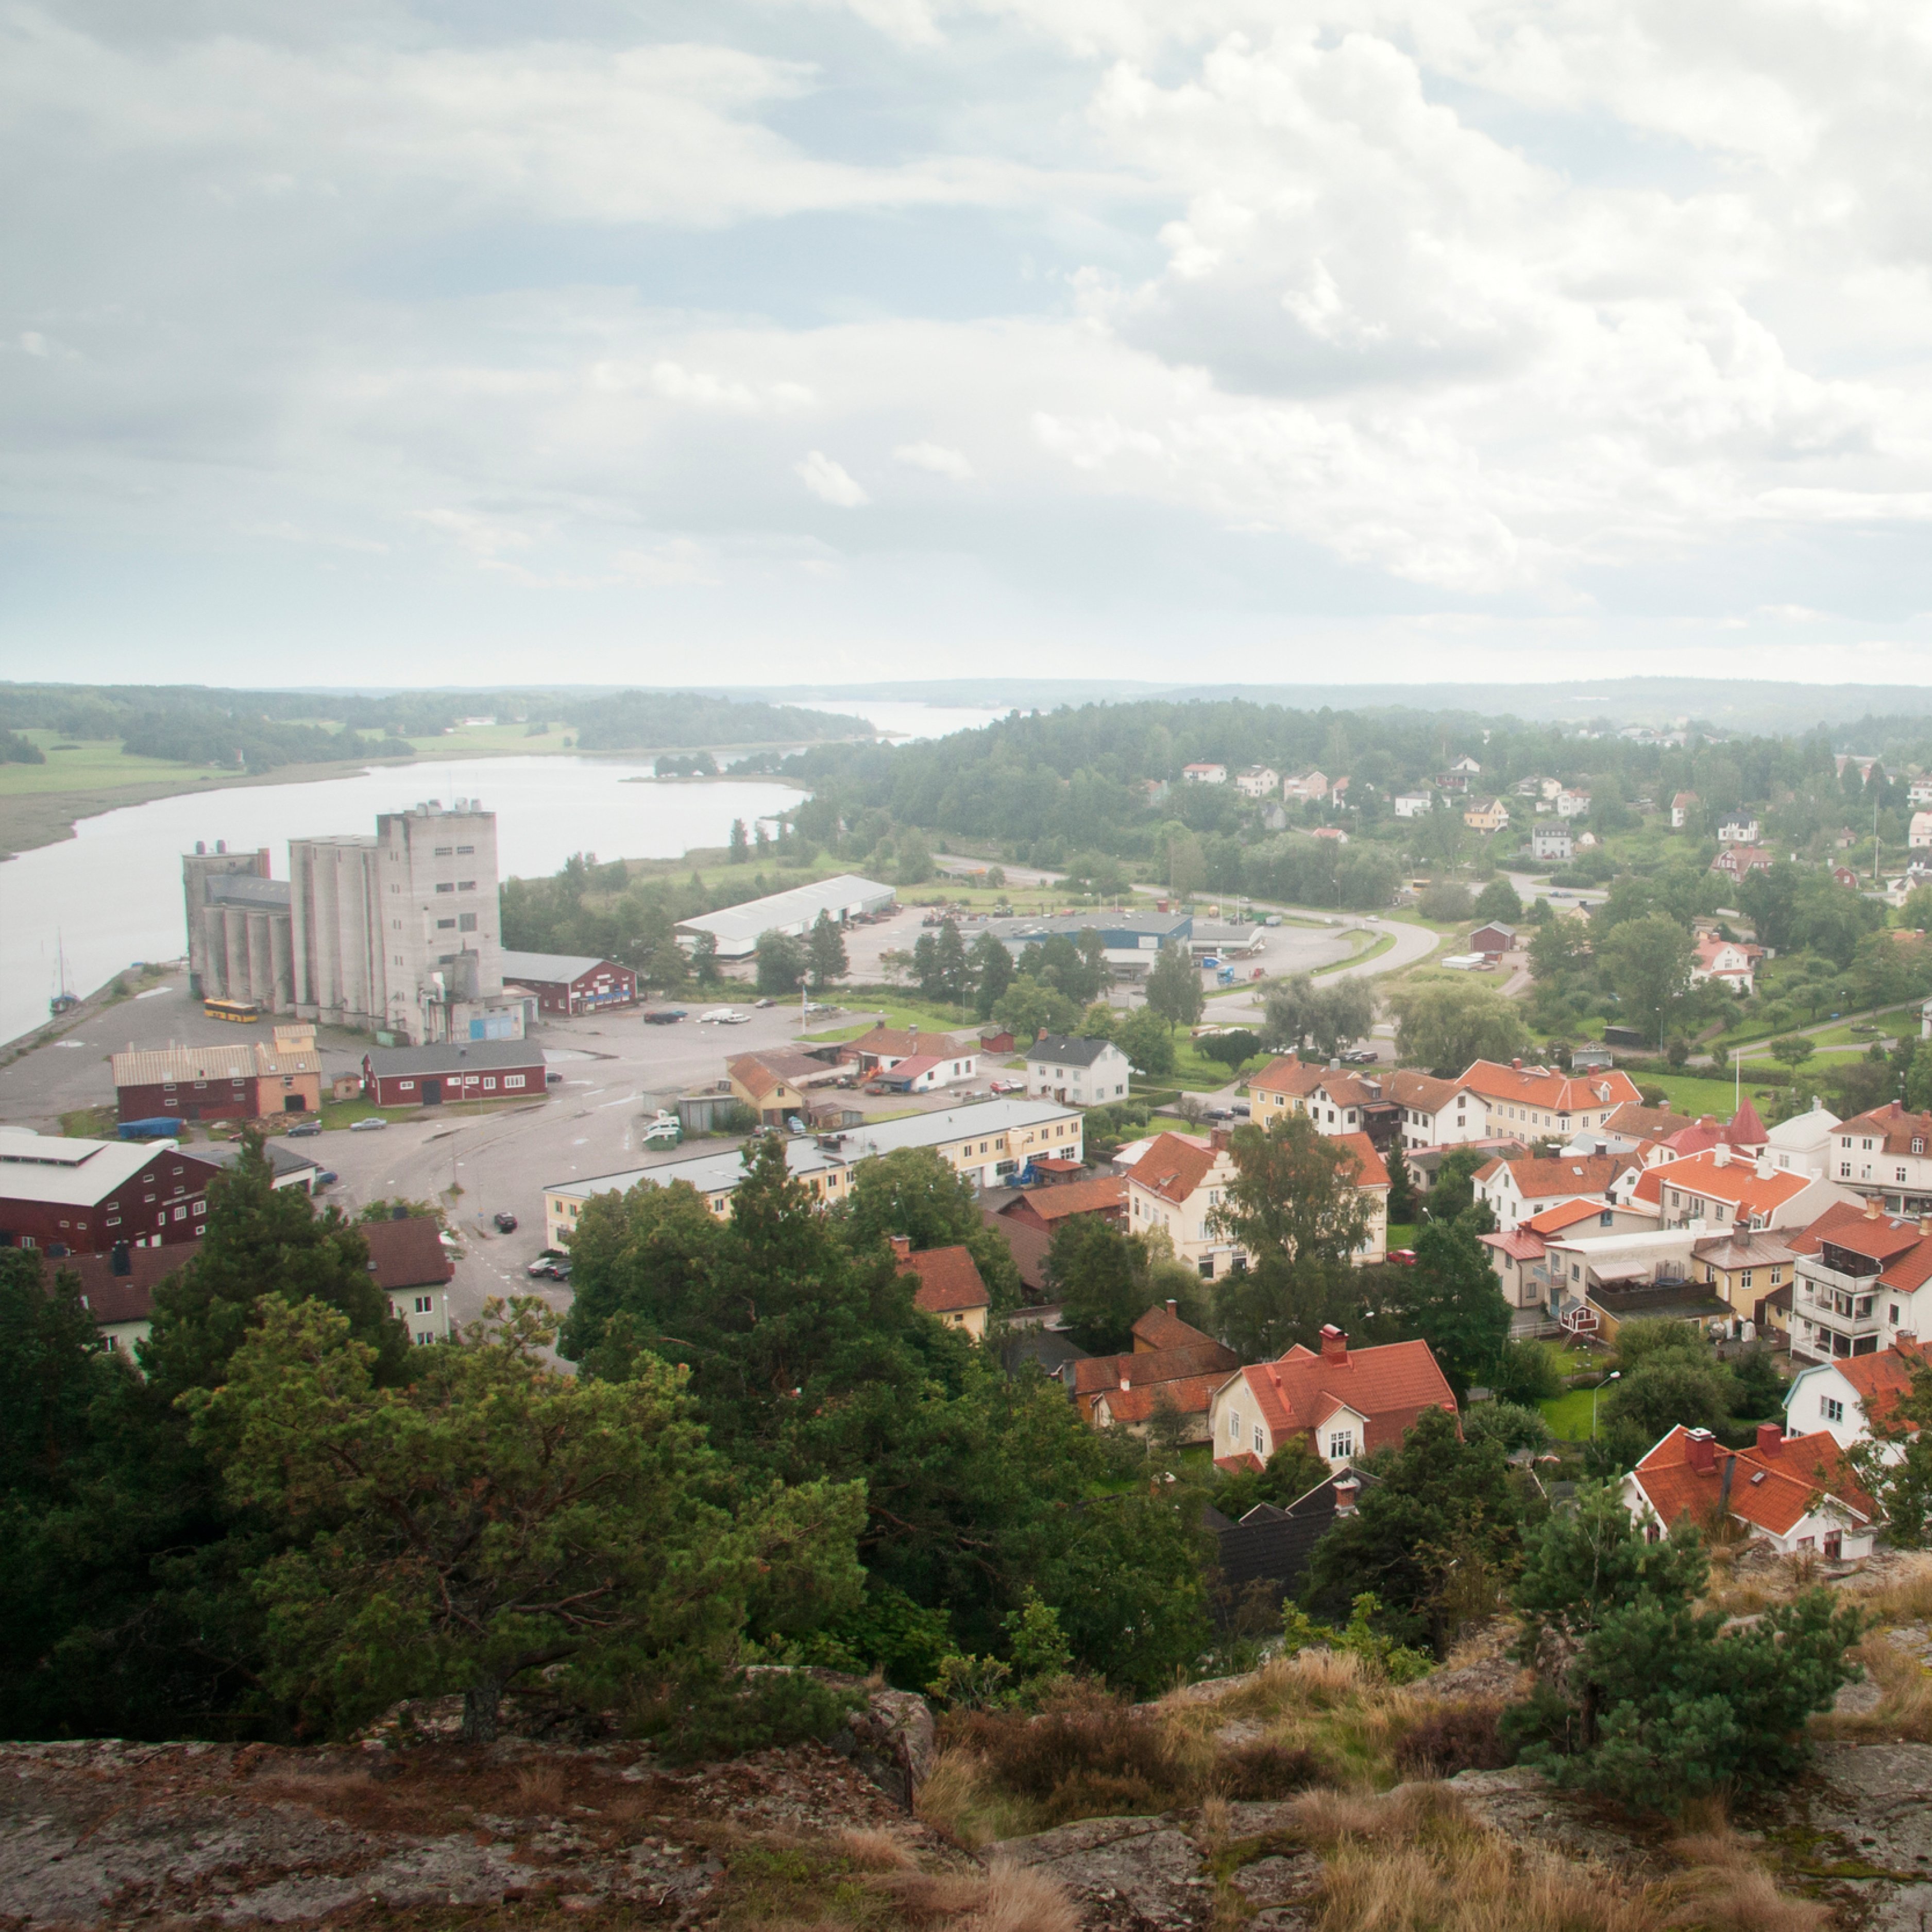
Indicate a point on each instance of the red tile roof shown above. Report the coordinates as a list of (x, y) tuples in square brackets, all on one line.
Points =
[(1565, 1214), (1549, 1087), (1896, 1128), (904, 1042), (1882, 1379), (1190, 1395), (1772, 1489), (1370, 1171), (1407, 1088), (1173, 1167), (1567, 1174), (1299, 1078), (1636, 1122), (1519, 1242), (1737, 1182), (1904, 1254), (1101, 1375), (949, 1280), (406, 1254), (1161, 1328), (1388, 1386), (111, 1298)]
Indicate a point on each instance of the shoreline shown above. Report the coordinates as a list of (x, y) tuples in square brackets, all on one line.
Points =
[(30, 820)]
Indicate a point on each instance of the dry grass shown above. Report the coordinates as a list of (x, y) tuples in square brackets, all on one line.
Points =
[(539, 1788)]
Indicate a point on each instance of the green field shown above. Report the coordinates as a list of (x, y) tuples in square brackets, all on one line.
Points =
[(98, 764), (1568, 1415)]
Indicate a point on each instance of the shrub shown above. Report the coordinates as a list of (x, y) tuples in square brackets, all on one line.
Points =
[(724, 1715), (1457, 1737), (1085, 1759), (1263, 1770)]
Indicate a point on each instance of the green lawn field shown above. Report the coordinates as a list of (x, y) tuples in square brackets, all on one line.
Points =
[(96, 764), (1568, 1415)]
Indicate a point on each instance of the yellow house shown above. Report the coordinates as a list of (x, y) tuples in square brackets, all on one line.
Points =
[(949, 1285), (1485, 814)]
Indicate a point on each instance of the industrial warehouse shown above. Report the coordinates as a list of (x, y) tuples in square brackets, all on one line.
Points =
[(737, 928)]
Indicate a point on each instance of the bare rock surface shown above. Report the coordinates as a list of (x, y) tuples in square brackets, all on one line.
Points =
[(1126, 1874), (1860, 1823), (1524, 1806)]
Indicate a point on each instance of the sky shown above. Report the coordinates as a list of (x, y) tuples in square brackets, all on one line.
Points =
[(791, 341)]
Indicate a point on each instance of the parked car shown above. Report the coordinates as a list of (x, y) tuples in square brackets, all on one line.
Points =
[(1008, 1086), (1363, 1056), (764, 1002), (1402, 1257), (553, 1265), (1240, 1110), (723, 1016), (506, 1222), (821, 1006), (302, 1130), (328, 1177), (663, 1015), (1219, 1114), (552, 1079), (368, 1124)]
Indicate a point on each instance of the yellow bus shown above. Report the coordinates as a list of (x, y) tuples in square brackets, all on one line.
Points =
[(243, 1012)]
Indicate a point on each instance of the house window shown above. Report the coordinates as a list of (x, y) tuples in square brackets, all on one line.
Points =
[(407, 1086), (466, 885), (489, 1085), (513, 1080), (423, 1304), (444, 851), (1234, 1425), (446, 925), (464, 851), (1261, 1441), (1830, 1409), (1844, 1170), (445, 887), (425, 1339), (1892, 1312), (1341, 1443)]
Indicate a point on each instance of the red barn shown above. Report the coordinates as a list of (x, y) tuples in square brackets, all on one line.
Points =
[(570, 983), (473, 1069), (81, 1196)]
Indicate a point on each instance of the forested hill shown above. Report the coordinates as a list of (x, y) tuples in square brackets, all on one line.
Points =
[(636, 720)]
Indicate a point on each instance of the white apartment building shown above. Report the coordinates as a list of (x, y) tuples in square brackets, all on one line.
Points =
[(1887, 1153), (1084, 1072)]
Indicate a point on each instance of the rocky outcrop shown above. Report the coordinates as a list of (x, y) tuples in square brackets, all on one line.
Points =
[(1129, 1874)]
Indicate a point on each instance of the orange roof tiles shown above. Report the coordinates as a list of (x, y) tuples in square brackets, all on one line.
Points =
[(949, 1280), (1562, 1174), (1162, 1328), (1407, 1088), (1550, 1088), (1092, 1196), (1565, 1214), (1388, 1386), (1904, 1253), (1737, 1183), (1637, 1122), (1190, 1395), (1882, 1379), (1772, 1488), (1173, 1167), (1371, 1172), (1293, 1075), (1893, 1126), (1099, 1375)]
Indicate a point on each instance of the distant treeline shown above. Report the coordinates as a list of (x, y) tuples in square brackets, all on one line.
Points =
[(260, 730)]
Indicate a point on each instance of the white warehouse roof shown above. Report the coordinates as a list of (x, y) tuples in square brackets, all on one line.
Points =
[(737, 927)]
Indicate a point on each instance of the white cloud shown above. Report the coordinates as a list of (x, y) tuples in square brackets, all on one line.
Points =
[(937, 458), (678, 560), (829, 482)]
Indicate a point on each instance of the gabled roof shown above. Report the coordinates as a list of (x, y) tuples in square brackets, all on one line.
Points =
[(1099, 1375), (1388, 1387), (1893, 1126), (1772, 1489), (553, 968), (407, 1253), (1636, 1122), (65, 1170), (1407, 1088), (949, 1280), (1094, 1195), (1521, 1243), (1140, 1401), (1291, 1075), (1549, 1087), (905, 1042), (1029, 1244), (1904, 1253), (111, 1298), (161, 1065), (1370, 1171), (1568, 1174), (758, 1073), (1173, 1167), (1553, 1221), (1161, 1328), (1059, 1047), (1737, 1182), (1882, 1379), (915, 1068), (469, 1056)]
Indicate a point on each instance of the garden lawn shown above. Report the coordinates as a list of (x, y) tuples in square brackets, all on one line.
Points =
[(1568, 1415), (1691, 1095)]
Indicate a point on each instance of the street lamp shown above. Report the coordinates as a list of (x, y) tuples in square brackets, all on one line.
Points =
[(1615, 1376)]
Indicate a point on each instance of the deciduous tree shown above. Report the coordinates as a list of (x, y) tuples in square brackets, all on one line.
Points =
[(1174, 989), (1444, 1025)]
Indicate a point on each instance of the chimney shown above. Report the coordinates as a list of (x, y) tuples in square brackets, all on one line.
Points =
[(1769, 1435), (1126, 1383), (1334, 1344), (1764, 1169), (1924, 1225), (1173, 1307), (901, 1247), (1217, 1138), (1720, 1155), (119, 1260), (1873, 1208), (1517, 1065), (1346, 1490), (1700, 1450)]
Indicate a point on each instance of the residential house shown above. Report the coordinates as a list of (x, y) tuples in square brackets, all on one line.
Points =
[(1494, 940), (884, 1049), (1730, 962), (1543, 1101), (1334, 833), (949, 1286), (1860, 1286), (1172, 1367), (1465, 767), (1084, 1072), (1104, 1196), (1343, 1402), (1307, 785), (1887, 1152), (412, 1267), (1371, 1180), (1919, 791), (1519, 1255), (1338, 1100), (1844, 875), (1803, 1144), (1738, 863), (1681, 807), (1207, 772), (774, 1083), (1746, 1268), (1269, 1548), (1485, 814), (1433, 1112), (1176, 1187), (1919, 832), (1517, 1190), (1797, 1493), (1258, 781), (1718, 1190), (1412, 804), (1597, 1282), (1573, 804), (1739, 828), (1338, 792), (1853, 1397), (1633, 1128), (1551, 842)]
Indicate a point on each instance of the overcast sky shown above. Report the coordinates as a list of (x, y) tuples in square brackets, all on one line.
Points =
[(796, 339)]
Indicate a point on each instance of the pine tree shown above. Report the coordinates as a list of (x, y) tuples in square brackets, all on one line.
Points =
[(993, 971), (827, 948)]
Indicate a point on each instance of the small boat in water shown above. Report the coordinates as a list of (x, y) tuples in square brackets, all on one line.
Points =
[(66, 999)]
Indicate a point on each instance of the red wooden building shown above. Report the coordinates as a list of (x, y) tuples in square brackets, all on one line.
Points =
[(82, 1196), (475, 1070), (569, 982)]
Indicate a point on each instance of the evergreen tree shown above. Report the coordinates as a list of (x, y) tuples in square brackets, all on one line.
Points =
[(827, 951), (740, 849), (993, 970), (953, 975), (782, 962), (704, 960), (1451, 1299), (1402, 1196)]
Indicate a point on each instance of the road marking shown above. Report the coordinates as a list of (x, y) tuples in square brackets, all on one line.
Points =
[(582, 1143)]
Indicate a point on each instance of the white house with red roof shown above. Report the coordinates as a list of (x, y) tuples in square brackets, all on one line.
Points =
[(1344, 1402), (1534, 1102), (1861, 1285), (1520, 1255), (1175, 1187), (1729, 961), (1797, 1493), (1338, 1101), (1853, 1397), (1204, 772), (1435, 1113), (1518, 1189), (1887, 1153), (1722, 1189)]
